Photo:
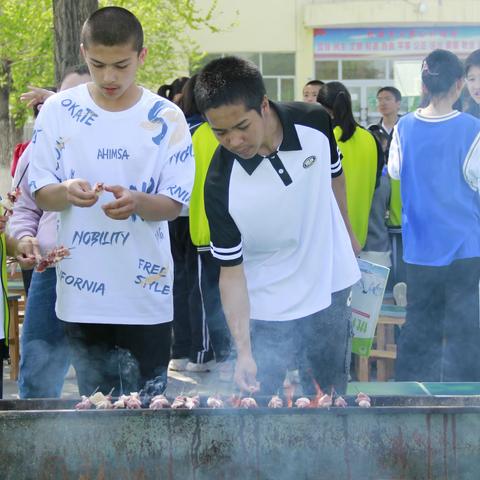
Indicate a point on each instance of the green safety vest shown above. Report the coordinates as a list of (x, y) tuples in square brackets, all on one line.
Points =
[(204, 146), (3, 259), (359, 163), (395, 208)]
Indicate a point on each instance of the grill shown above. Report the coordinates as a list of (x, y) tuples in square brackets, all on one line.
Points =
[(397, 438)]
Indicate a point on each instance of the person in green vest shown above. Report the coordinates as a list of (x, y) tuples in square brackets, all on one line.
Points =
[(8, 247), (362, 156)]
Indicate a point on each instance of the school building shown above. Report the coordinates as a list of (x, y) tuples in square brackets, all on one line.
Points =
[(365, 44)]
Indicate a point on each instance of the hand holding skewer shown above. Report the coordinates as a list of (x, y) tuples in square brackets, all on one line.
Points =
[(245, 373), (124, 204), (80, 193)]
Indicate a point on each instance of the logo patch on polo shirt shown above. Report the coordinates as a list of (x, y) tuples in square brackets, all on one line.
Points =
[(309, 161)]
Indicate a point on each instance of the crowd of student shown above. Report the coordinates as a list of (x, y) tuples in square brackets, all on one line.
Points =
[(267, 206)]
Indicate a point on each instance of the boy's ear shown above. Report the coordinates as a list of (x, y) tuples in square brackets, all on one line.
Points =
[(142, 55), (82, 50)]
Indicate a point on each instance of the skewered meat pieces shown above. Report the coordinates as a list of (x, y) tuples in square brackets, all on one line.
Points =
[(302, 402), (84, 404), (133, 401), (363, 400), (52, 258), (101, 401), (158, 402), (99, 188), (121, 402), (248, 402), (215, 402), (324, 401), (192, 402), (179, 402), (7, 203), (275, 402), (340, 402)]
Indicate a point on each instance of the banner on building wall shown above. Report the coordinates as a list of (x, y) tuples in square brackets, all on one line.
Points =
[(363, 42)]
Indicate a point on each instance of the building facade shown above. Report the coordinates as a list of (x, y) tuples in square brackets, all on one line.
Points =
[(365, 44)]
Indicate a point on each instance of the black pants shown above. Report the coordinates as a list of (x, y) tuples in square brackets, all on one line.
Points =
[(205, 302), (440, 340), (320, 344), (190, 331), (122, 357)]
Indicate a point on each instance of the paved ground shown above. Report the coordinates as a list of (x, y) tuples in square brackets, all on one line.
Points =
[(179, 382)]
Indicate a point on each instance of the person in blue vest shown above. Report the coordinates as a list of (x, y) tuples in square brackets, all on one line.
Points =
[(435, 152)]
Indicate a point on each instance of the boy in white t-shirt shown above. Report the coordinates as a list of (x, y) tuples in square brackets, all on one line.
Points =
[(114, 292)]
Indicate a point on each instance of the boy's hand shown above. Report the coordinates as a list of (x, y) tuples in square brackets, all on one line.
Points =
[(27, 252), (80, 193), (35, 96), (124, 204)]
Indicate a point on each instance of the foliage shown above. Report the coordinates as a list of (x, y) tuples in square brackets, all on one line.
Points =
[(166, 24), (26, 41)]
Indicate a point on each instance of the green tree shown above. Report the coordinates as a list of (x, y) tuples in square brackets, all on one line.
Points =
[(27, 50), (166, 25), (26, 46)]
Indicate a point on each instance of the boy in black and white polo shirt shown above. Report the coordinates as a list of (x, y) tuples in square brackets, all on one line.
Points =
[(277, 229)]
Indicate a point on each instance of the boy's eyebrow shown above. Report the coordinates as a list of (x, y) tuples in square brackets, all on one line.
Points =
[(235, 126), (114, 63)]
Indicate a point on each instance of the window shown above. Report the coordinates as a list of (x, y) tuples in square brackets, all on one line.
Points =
[(360, 69), (278, 70), (326, 70)]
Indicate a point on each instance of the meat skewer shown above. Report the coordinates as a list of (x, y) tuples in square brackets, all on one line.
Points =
[(363, 400), (158, 402), (248, 402), (52, 258), (275, 402), (215, 402), (340, 402), (7, 203), (302, 402), (325, 401)]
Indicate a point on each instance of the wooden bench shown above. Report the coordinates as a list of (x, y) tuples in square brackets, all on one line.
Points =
[(384, 349)]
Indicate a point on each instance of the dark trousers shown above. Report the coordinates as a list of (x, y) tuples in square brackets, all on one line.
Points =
[(119, 357), (190, 331), (440, 340), (320, 344), (398, 271), (205, 302)]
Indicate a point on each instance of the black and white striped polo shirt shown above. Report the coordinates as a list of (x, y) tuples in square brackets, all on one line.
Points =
[(278, 216)]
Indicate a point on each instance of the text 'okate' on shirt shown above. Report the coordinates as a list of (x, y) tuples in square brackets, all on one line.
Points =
[(119, 271)]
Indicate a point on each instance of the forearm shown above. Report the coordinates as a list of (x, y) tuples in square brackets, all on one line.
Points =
[(236, 306), (156, 207), (52, 198)]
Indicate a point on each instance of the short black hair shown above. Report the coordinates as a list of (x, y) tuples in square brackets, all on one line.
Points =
[(473, 60), (111, 26), (394, 91), (229, 81), (440, 70), (169, 91), (317, 83), (79, 69)]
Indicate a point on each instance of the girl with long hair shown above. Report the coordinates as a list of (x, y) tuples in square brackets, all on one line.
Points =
[(435, 152), (362, 156)]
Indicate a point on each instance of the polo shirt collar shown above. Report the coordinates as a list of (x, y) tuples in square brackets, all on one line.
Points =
[(290, 140)]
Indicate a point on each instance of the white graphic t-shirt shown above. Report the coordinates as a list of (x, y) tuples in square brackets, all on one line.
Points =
[(119, 271)]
